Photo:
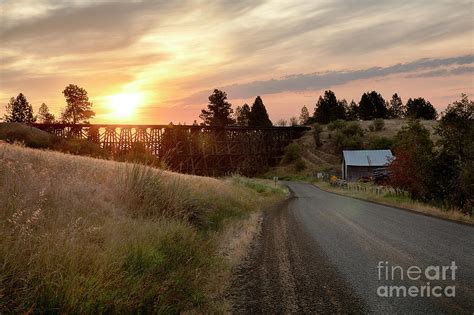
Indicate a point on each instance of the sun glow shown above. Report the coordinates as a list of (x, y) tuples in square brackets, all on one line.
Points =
[(124, 105)]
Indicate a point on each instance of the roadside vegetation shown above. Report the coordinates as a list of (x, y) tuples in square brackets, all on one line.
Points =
[(83, 235), (387, 196)]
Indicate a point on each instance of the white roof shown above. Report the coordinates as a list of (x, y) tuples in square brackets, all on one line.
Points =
[(367, 157)]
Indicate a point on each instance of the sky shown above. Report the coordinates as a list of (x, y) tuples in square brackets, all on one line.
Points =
[(158, 61)]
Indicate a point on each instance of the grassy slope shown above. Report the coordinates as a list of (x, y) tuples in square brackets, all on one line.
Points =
[(84, 235)]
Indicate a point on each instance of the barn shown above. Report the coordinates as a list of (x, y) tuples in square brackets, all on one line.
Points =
[(360, 163)]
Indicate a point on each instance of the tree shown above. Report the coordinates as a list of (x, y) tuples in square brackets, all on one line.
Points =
[(242, 115), (328, 108), (352, 111), (293, 121), (304, 116), (219, 111), (412, 167), (282, 123), (372, 105), (396, 108), (419, 108), (19, 110), (78, 108), (44, 116), (454, 180), (259, 115)]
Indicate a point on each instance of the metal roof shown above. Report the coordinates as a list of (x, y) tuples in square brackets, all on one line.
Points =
[(367, 157)]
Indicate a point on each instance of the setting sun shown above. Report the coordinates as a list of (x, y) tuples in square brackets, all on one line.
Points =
[(123, 105)]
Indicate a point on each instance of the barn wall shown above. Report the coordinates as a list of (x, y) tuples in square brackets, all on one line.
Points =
[(356, 172)]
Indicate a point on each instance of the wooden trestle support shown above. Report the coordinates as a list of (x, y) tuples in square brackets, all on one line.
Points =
[(199, 150)]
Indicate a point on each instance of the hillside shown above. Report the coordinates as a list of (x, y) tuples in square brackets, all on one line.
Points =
[(82, 235), (325, 157)]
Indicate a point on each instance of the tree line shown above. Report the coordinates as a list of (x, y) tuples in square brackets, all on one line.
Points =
[(78, 108), (219, 112), (371, 106)]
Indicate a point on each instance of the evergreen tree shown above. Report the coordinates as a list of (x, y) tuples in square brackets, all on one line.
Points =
[(259, 115), (219, 111), (78, 108), (371, 106), (304, 116), (396, 108), (419, 108), (242, 115), (44, 116), (328, 108), (352, 111), (19, 110)]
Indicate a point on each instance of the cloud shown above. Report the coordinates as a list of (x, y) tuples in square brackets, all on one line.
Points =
[(443, 72), (319, 80)]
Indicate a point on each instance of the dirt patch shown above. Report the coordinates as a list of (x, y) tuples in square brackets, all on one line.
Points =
[(286, 272)]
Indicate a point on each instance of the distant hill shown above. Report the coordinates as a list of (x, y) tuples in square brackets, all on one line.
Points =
[(325, 158)]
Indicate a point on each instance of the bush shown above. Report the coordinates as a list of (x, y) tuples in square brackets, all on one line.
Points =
[(317, 129), (353, 129), (337, 124), (82, 147), (379, 143), (345, 142), (300, 165), (292, 153), (377, 125)]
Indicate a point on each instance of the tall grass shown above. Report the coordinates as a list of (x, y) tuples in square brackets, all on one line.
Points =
[(80, 235)]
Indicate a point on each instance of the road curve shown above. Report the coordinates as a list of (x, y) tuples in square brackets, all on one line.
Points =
[(320, 252)]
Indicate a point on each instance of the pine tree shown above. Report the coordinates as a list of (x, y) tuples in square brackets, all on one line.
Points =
[(219, 111), (419, 108), (242, 115), (352, 112), (304, 116), (328, 108), (371, 106), (19, 110), (396, 108), (78, 108), (44, 116), (258, 114)]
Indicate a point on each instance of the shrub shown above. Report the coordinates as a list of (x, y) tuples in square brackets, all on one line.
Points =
[(317, 129), (379, 143), (377, 125), (300, 165), (342, 141), (337, 124), (82, 147), (292, 153), (353, 129)]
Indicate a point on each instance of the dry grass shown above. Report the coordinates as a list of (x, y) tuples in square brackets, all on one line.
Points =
[(81, 235), (401, 202)]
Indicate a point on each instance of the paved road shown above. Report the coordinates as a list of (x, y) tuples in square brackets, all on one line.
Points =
[(320, 253)]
